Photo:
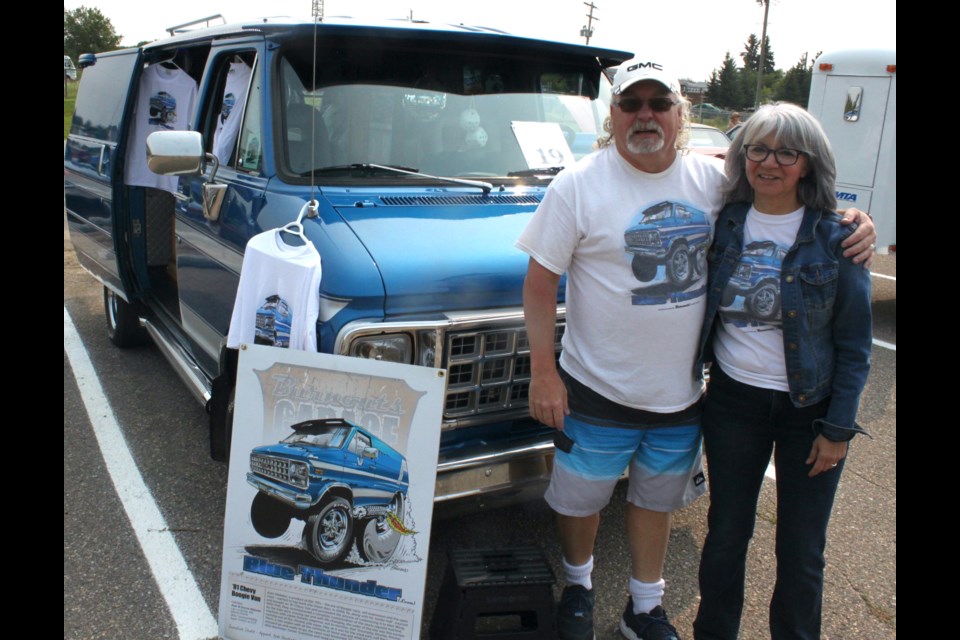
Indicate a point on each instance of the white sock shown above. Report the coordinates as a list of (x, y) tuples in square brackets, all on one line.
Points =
[(646, 595), (579, 574)]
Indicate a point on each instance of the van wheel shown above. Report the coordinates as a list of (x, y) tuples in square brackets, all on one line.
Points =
[(269, 517), (765, 302), (644, 269), (123, 323), (679, 267), (329, 532), (377, 541)]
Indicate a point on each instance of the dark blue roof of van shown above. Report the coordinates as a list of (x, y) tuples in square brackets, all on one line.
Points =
[(402, 29)]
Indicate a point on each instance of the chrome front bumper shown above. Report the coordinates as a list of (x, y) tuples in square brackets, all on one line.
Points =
[(286, 495), (517, 474)]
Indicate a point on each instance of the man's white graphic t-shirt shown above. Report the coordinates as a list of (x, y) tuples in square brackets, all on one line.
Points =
[(633, 246)]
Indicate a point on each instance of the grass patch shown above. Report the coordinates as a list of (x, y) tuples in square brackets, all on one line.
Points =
[(69, 100)]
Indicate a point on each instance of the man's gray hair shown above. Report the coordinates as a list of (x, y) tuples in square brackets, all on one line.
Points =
[(792, 127)]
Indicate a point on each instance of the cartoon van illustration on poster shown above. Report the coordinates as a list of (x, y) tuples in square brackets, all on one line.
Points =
[(330, 496), (345, 484)]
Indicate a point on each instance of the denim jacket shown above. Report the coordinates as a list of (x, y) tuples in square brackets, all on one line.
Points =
[(825, 308)]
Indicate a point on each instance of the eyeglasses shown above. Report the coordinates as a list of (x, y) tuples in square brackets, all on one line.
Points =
[(658, 104), (784, 157)]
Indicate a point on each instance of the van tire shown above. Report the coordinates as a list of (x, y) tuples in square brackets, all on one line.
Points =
[(377, 542), (329, 532), (123, 322), (679, 266), (269, 517)]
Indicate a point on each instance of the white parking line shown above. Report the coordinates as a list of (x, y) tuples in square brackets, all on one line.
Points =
[(885, 345), (177, 585), (884, 276)]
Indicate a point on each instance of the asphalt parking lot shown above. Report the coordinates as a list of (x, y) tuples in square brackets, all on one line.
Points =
[(124, 579)]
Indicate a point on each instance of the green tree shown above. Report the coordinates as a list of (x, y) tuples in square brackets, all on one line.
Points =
[(727, 90), (713, 85), (751, 53), (86, 30), (768, 64), (795, 85)]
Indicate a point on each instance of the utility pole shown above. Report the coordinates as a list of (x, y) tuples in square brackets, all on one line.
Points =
[(587, 30), (316, 10), (763, 52)]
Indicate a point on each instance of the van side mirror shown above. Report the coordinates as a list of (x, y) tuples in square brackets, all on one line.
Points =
[(180, 153), (175, 153)]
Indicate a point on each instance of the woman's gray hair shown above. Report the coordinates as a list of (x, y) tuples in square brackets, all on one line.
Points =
[(683, 136), (792, 127)]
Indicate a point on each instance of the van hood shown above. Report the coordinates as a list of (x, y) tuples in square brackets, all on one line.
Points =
[(444, 251)]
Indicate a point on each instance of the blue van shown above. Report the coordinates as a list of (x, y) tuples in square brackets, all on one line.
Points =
[(413, 138), (343, 481)]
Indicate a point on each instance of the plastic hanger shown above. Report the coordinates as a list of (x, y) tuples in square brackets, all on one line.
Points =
[(295, 228), (169, 61)]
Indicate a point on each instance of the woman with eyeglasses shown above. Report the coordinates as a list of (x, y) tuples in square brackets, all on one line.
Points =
[(787, 328)]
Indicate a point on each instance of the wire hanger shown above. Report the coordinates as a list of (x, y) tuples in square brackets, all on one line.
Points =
[(295, 228)]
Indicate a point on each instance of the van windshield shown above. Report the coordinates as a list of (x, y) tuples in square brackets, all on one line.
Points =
[(445, 114), (327, 438)]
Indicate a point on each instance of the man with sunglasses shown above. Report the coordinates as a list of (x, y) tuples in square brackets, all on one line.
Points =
[(629, 225)]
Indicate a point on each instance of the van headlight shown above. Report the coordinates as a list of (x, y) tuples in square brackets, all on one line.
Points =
[(395, 347)]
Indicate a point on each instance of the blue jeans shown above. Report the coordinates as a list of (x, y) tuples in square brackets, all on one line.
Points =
[(742, 424)]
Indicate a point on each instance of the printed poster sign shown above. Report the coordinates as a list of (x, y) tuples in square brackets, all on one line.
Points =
[(329, 498)]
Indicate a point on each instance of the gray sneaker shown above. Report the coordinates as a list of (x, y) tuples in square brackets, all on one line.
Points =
[(575, 613), (647, 626)]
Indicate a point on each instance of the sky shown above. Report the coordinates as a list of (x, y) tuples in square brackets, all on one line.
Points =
[(691, 36)]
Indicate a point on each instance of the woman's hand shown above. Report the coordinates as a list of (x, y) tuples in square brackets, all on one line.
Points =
[(825, 455)]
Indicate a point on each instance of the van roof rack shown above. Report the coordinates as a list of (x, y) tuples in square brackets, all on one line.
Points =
[(205, 22)]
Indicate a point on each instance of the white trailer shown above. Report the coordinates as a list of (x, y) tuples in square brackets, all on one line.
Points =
[(854, 95)]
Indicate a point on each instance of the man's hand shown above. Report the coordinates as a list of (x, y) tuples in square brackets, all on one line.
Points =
[(825, 455), (548, 400), (548, 396), (861, 243)]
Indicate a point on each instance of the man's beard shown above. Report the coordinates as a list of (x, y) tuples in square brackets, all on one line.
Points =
[(645, 144)]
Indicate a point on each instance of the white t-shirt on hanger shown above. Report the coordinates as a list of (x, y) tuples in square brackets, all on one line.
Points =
[(231, 110), (278, 299), (165, 102)]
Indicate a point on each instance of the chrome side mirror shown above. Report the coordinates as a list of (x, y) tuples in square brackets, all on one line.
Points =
[(175, 153), (180, 153)]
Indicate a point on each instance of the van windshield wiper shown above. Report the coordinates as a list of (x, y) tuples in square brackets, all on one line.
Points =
[(367, 167), (543, 171), (359, 168)]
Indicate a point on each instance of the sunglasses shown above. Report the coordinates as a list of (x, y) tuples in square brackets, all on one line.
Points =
[(658, 104), (784, 157)]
